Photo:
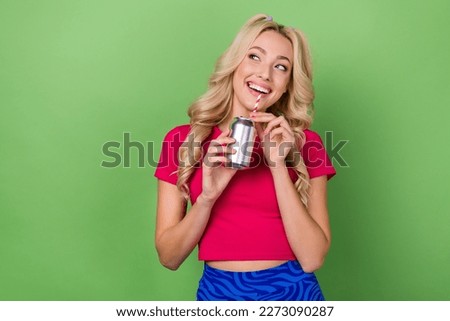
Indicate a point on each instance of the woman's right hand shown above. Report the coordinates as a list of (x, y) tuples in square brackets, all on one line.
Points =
[(177, 232), (216, 176)]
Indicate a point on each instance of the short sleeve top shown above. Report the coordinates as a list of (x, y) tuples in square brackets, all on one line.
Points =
[(245, 221)]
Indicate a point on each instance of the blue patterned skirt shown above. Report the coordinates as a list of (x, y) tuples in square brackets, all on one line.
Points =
[(286, 282)]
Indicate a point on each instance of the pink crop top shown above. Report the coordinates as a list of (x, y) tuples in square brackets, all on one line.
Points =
[(245, 222)]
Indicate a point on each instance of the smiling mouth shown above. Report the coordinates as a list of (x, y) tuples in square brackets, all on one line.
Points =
[(259, 89)]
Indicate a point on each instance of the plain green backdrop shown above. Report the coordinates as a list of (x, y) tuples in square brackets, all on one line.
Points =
[(75, 75)]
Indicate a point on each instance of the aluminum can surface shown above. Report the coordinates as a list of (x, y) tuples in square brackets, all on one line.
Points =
[(243, 131)]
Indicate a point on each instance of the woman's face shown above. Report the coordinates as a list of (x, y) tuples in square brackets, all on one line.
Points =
[(266, 69)]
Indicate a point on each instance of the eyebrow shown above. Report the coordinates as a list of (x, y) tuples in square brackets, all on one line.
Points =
[(264, 52)]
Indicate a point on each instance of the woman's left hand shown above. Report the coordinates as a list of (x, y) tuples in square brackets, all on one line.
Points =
[(277, 138)]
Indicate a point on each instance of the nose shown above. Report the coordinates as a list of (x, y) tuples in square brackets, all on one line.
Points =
[(265, 72)]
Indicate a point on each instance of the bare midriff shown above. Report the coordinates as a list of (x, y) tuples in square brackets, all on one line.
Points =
[(245, 266)]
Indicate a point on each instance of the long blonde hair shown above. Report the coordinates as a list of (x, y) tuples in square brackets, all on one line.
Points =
[(215, 106)]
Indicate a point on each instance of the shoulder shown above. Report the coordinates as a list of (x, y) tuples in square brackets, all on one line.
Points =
[(312, 140), (311, 136), (179, 130), (177, 134)]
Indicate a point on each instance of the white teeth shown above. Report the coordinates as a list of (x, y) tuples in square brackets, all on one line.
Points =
[(258, 88)]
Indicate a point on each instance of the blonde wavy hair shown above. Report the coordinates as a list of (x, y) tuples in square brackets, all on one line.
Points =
[(215, 106)]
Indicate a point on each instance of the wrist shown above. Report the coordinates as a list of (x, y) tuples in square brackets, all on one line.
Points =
[(278, 168), (205, 201)]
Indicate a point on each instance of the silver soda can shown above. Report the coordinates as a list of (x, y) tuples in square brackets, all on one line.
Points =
[(243, 131)]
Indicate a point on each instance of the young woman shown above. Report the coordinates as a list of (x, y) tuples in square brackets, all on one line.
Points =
[(262, 231)]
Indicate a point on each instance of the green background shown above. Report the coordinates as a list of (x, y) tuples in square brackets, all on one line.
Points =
[(75, 75)]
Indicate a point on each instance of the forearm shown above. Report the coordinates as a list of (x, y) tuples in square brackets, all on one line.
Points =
[(176, 243), (306, 238)]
